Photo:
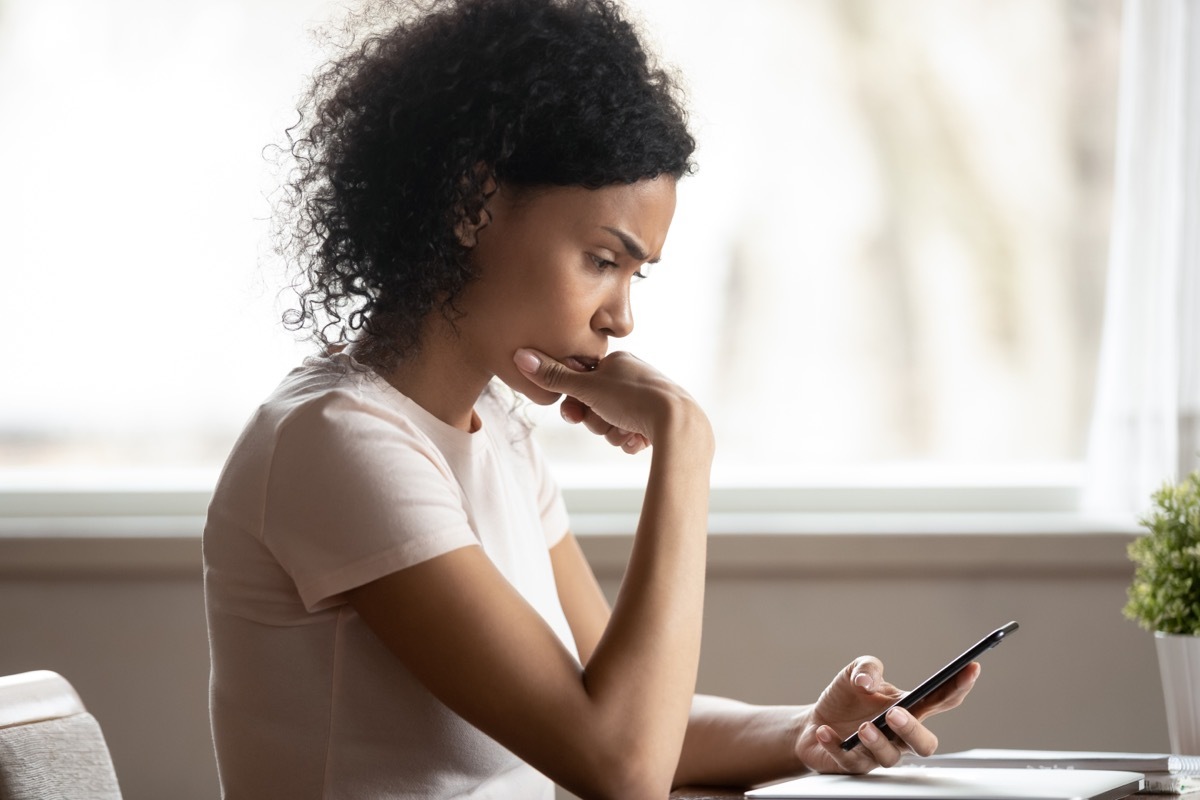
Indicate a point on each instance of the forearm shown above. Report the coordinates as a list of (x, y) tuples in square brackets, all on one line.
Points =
[(729, 743), (643, 671)]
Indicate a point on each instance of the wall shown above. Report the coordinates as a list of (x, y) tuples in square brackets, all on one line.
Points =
[(122, 617)]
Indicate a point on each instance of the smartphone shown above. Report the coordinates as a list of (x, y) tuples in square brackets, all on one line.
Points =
[(937, 679)]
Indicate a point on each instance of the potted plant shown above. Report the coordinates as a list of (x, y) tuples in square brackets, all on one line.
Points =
[(1165, 598)]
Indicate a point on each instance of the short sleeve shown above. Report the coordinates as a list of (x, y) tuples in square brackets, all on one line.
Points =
[(355, 493)]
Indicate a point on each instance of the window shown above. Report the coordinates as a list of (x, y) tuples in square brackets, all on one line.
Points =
[(893, 252), (895, 248)]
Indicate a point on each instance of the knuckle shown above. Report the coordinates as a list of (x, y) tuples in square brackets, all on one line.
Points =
[(616, 436), (553, 374), (596, 424), (901, 721)]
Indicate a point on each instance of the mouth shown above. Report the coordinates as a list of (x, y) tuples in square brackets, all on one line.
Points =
[(581, 363)]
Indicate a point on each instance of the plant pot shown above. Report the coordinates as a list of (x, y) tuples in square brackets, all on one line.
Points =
[(1179, 666)]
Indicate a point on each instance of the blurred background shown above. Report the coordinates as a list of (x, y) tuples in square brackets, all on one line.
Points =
[(893, 252), (889, 272)]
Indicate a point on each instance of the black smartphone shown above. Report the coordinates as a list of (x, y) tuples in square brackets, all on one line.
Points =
[(937, 679)]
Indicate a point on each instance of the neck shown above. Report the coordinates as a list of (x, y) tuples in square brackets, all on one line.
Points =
[(440, 378)]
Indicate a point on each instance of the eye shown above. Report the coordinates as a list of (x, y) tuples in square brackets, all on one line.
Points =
[(602, 263)]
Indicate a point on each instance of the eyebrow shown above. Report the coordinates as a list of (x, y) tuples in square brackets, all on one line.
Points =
[(632, 246)]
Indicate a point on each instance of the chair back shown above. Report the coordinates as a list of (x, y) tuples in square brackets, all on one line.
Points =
[(51, 748)]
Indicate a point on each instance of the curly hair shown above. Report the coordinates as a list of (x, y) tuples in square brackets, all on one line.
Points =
[(427, 107)]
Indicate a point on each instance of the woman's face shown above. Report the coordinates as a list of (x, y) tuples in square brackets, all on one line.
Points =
[(554, 271)]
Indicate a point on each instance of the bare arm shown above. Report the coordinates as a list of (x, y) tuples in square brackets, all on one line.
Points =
[(730, 743), (615, 727), (727, 743)]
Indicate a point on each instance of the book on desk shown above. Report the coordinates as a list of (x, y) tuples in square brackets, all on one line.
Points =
[(951, 783), (1165, 773), (981, 775)]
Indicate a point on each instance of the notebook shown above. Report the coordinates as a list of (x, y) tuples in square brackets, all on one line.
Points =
[(1166, 773), (1059, 759), (947, 783)]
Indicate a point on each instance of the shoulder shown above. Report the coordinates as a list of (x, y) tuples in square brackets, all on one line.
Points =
[(324, 420), (331, 397)]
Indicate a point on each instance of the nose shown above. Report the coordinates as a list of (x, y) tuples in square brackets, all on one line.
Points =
[(615, 317)]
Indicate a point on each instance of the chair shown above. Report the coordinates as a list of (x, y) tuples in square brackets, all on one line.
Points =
[(51, 748)]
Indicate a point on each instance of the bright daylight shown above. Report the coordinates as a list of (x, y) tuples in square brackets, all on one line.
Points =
[(893, 250), (600, 399)]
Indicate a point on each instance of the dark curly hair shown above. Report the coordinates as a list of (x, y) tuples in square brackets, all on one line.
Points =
[(428, 106)]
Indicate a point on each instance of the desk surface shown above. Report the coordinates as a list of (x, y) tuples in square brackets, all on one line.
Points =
[(701, 793)]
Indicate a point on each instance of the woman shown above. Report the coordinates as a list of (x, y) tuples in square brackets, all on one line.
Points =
[(396, 605)]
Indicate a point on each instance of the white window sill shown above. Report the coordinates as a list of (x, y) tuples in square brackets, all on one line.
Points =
[(150, 523), (761, 544)]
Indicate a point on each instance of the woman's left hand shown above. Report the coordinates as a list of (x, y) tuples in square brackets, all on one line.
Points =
[(855, 697)]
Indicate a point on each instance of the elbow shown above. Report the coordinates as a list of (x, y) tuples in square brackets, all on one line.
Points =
[(629, 774), (638, 787), (632, 788)]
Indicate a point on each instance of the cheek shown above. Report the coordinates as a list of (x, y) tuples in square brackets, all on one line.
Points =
[(572, 304)]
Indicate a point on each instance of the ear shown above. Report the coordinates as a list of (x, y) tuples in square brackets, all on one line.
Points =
[(468, 227), (467, 232)]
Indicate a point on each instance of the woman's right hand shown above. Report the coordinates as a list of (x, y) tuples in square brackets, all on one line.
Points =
[(624, 399)]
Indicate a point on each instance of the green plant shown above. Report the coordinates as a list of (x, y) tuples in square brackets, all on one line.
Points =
[(1165, 593)]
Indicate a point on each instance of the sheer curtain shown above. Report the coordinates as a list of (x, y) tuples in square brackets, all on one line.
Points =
[(1145, 430)]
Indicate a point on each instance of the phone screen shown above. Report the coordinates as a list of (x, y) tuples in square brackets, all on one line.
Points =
[(937, 679)]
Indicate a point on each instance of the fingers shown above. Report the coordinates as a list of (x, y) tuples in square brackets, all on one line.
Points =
[(572, 410), (909, 735), (544, 371), (863, 693), (620, 398), (849, 762), (906, 734), (576, 412), (951, 695), (856, 761), (866, 673), (876, 748), (854, 698)]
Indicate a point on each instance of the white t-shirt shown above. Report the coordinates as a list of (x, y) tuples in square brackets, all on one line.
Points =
[(337, 480)]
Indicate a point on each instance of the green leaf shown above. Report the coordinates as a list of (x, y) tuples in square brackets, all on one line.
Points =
[(1165, 593)]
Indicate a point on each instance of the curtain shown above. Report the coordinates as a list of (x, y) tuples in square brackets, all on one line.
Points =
[(1144, 429)]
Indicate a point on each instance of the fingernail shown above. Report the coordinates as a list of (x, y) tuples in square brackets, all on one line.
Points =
[(862, 680), (869, 732), (823, 735), (526, 361), (898, 718)]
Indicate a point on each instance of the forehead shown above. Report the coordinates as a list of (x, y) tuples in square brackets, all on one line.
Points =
[(643, 209)]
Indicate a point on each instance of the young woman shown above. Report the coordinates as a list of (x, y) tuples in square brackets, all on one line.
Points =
[(397, 607)]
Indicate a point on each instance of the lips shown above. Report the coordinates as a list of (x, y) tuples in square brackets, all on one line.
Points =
[(581, 363)]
